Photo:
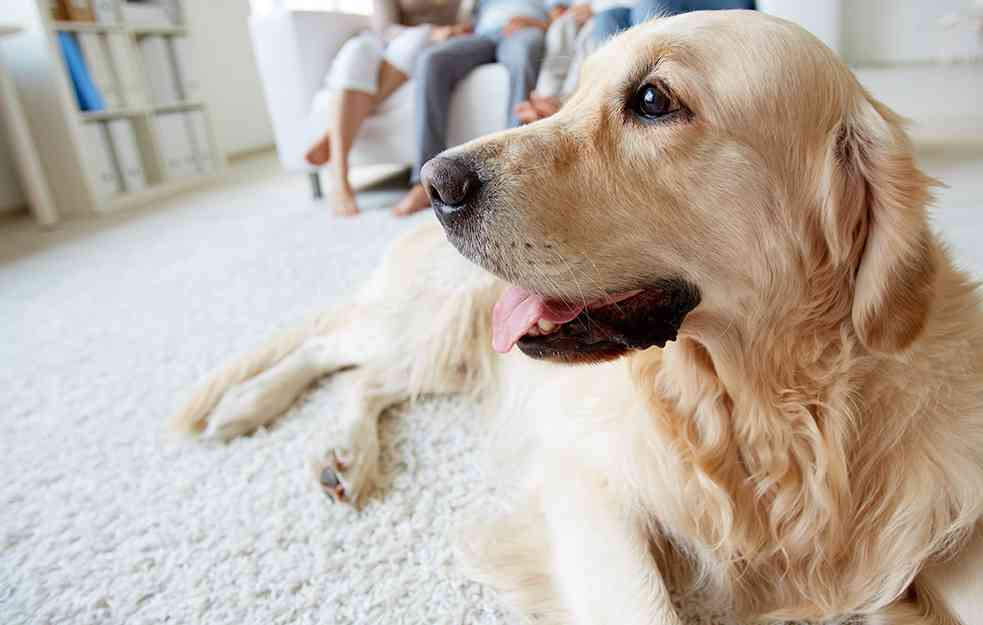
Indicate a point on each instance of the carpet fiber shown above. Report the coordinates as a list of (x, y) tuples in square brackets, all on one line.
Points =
[(105, 325)]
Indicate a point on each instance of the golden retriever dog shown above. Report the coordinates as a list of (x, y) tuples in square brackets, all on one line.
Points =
[(785, 407)]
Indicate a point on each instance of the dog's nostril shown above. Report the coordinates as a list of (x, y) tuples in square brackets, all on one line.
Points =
[(433, 193), (450, 183), (452, 186)]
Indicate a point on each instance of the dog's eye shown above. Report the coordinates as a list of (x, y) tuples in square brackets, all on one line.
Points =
[(651, 102)]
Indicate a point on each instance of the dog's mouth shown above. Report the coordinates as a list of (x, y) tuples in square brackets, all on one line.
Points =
[(594, 330)]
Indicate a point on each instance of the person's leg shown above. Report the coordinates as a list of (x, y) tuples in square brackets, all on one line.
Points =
[(439, 68), (351, 109), (352, 70), (610, 22), (561, 41), (363, 79), (522, 54), (404, 51), (584, 48), (350, 112), (560, 48), (355, 68)]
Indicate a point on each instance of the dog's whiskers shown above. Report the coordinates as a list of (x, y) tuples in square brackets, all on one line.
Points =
[(573, 276)]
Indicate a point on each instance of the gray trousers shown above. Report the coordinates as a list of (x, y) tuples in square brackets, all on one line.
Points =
[(441, 66)]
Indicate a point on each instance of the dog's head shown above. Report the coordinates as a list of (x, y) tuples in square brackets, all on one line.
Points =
[(704, 159)]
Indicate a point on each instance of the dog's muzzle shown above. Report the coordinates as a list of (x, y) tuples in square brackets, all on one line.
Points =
[(453, 186)]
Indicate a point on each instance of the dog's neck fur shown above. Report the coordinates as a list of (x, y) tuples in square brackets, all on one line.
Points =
[(775, 419)]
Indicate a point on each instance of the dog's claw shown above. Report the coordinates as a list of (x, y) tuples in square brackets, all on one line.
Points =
[(328, 478), (343, 473), (331, 484)]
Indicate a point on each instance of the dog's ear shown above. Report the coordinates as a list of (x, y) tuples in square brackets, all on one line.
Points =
[(875, 219)]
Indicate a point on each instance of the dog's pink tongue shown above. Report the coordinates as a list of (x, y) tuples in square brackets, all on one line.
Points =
[(518, 310)]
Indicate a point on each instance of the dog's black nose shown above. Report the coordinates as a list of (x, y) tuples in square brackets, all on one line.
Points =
[(451, 184)]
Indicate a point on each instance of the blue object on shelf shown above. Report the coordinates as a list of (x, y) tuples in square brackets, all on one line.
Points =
[(86, 92)]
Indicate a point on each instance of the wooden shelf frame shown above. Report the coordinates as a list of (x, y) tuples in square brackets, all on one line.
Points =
[(57, 124), (186, 105), (109, 114), (88, 27)]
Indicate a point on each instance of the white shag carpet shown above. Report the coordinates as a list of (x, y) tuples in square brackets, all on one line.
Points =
[(104, 519)]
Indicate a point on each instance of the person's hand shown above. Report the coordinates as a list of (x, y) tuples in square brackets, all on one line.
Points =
[(464, 28), (525, 112), (439, 34), (537, 107), (544, 106), (557, 12), (520, 22), (582, 13)]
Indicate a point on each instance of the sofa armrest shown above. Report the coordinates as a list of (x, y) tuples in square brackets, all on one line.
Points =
[(294, 50)]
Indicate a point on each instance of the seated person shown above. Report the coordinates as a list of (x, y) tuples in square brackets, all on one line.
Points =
[(510, 32), (570, 41), (370, 67), (612, 21)]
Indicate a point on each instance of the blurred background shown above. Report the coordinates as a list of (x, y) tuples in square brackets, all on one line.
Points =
[(254, 71)]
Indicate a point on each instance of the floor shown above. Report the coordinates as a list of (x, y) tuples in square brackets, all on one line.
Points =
[(106, 324)]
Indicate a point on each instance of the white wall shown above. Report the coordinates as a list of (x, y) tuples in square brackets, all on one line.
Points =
[(11, 196), (905, 31), (899, 49), (230, 80)]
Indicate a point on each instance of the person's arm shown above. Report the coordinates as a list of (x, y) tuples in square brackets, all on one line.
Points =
[(463, 24), (386, 18), (557, 8), (582, 12), (518, 23), (467, 12)]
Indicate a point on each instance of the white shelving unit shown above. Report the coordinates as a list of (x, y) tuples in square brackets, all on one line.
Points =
[(57, 124)]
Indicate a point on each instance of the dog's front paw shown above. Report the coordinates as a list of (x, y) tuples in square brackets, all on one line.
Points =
[(345, 466), (240, 411)]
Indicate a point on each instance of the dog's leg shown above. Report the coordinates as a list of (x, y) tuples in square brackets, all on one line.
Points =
[(261, 399), (255, 389), (602, 566), (345, 456), (512, 554), (234, 378)]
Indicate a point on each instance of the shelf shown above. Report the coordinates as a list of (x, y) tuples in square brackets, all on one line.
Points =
[(170, 31), (179, 106), (98, 116), (88, 27), (55, 112)]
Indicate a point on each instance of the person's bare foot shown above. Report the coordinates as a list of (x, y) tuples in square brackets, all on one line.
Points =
[(537, 107), (414, 201), (525, 112), (544, 105), (343, 201), (320, 152)]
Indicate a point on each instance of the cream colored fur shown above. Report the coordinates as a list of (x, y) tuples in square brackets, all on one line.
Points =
[(810, 448)]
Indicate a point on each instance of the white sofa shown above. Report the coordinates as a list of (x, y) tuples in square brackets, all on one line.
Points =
[(294, 50)]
